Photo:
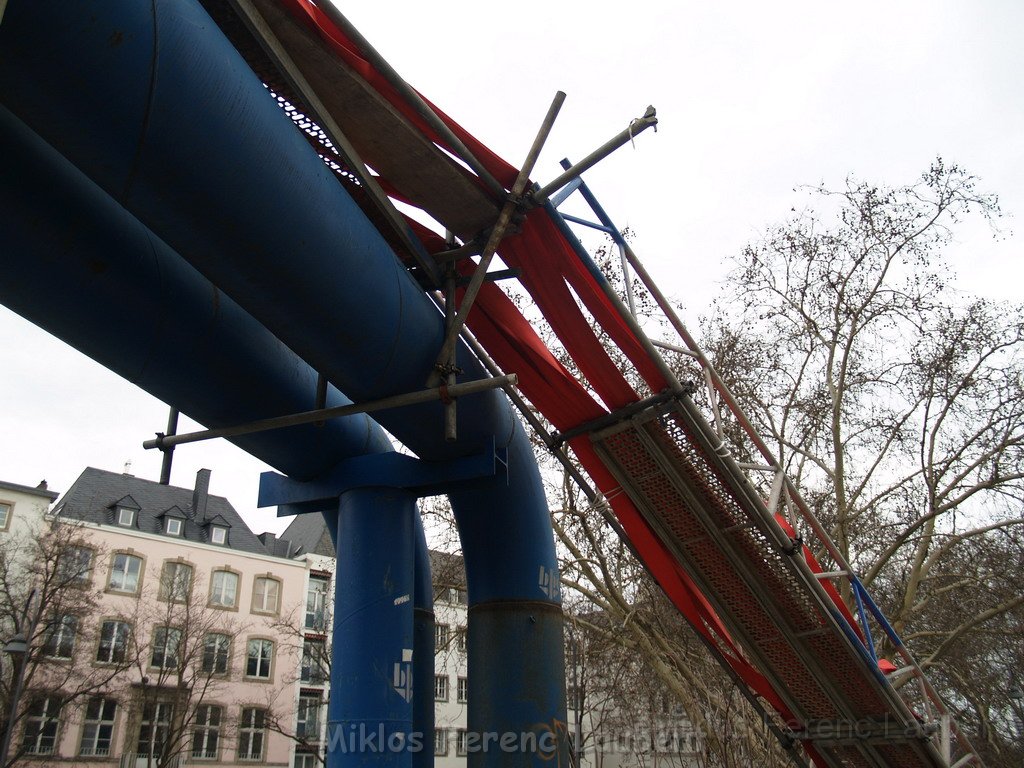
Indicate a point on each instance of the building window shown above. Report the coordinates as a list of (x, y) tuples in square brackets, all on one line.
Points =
[(176, 582), (224, 589), (42, 719), (173, 526), (314, 662), (316, 603), (60, 637), (460, 638), (307, 719), (124, 573), (216, 650), (460, 742), (5, 515), (440, 687), (251, 734), (206, 732), (166, 643), (452, 595), (266, 593), (114, 637), (218, 534), (440, 637), (154, 729), (305, 759), (75, 565), (259, 659), (440, 742), (125, 517), (462, 690), (97, 727)]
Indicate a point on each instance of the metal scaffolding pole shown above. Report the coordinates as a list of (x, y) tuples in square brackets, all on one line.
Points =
[(163, 442), (496, 236)]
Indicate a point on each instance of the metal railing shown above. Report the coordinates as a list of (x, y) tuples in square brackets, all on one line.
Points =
[(783, 498)]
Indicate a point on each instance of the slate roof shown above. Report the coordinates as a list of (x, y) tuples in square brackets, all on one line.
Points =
[(308, 533), (96, 493), (279, 547)]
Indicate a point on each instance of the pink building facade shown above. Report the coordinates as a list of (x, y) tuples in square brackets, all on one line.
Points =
[(193, 635)]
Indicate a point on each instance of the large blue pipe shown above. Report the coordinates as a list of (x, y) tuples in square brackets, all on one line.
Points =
[(61, 232), (79, 266), (154, 105)]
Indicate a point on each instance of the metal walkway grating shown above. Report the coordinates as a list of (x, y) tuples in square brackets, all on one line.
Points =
[(721, 530)]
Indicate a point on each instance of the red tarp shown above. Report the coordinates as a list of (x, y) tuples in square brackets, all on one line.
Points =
[(554, 276)]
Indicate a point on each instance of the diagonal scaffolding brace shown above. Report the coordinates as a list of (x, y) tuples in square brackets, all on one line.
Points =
[(445, 358)]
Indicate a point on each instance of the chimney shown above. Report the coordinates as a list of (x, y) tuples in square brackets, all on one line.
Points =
[(201, 494)]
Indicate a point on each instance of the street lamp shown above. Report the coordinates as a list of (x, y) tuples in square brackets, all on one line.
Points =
[(17, 647)]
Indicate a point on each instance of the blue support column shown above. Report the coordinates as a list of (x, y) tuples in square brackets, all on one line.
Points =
[(370, 715)]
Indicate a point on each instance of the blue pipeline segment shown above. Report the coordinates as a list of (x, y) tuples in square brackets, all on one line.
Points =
[(61, 231), (370, 714), (498, 631), (79, 266), (154, 105)]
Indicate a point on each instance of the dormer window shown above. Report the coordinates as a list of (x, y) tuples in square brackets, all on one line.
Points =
[(125, 517), (218, 534), (173, 526)]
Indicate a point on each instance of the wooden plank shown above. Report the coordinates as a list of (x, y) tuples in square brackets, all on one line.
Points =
[(383, 137), (284, 63)]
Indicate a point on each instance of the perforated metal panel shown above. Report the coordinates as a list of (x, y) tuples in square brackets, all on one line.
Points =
[(712, 518)]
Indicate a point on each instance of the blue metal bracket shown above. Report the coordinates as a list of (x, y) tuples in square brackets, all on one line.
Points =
[(602, 216), (859, 594), (387, 470), (567, 190), (562, 221), (585, 223)]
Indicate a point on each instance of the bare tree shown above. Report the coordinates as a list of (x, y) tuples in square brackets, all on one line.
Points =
[(646, 673), (45, 595), (897, 405), (304, 643), (179, 652)]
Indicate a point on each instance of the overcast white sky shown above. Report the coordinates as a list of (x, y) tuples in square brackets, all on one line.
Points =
[(754, 98)]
